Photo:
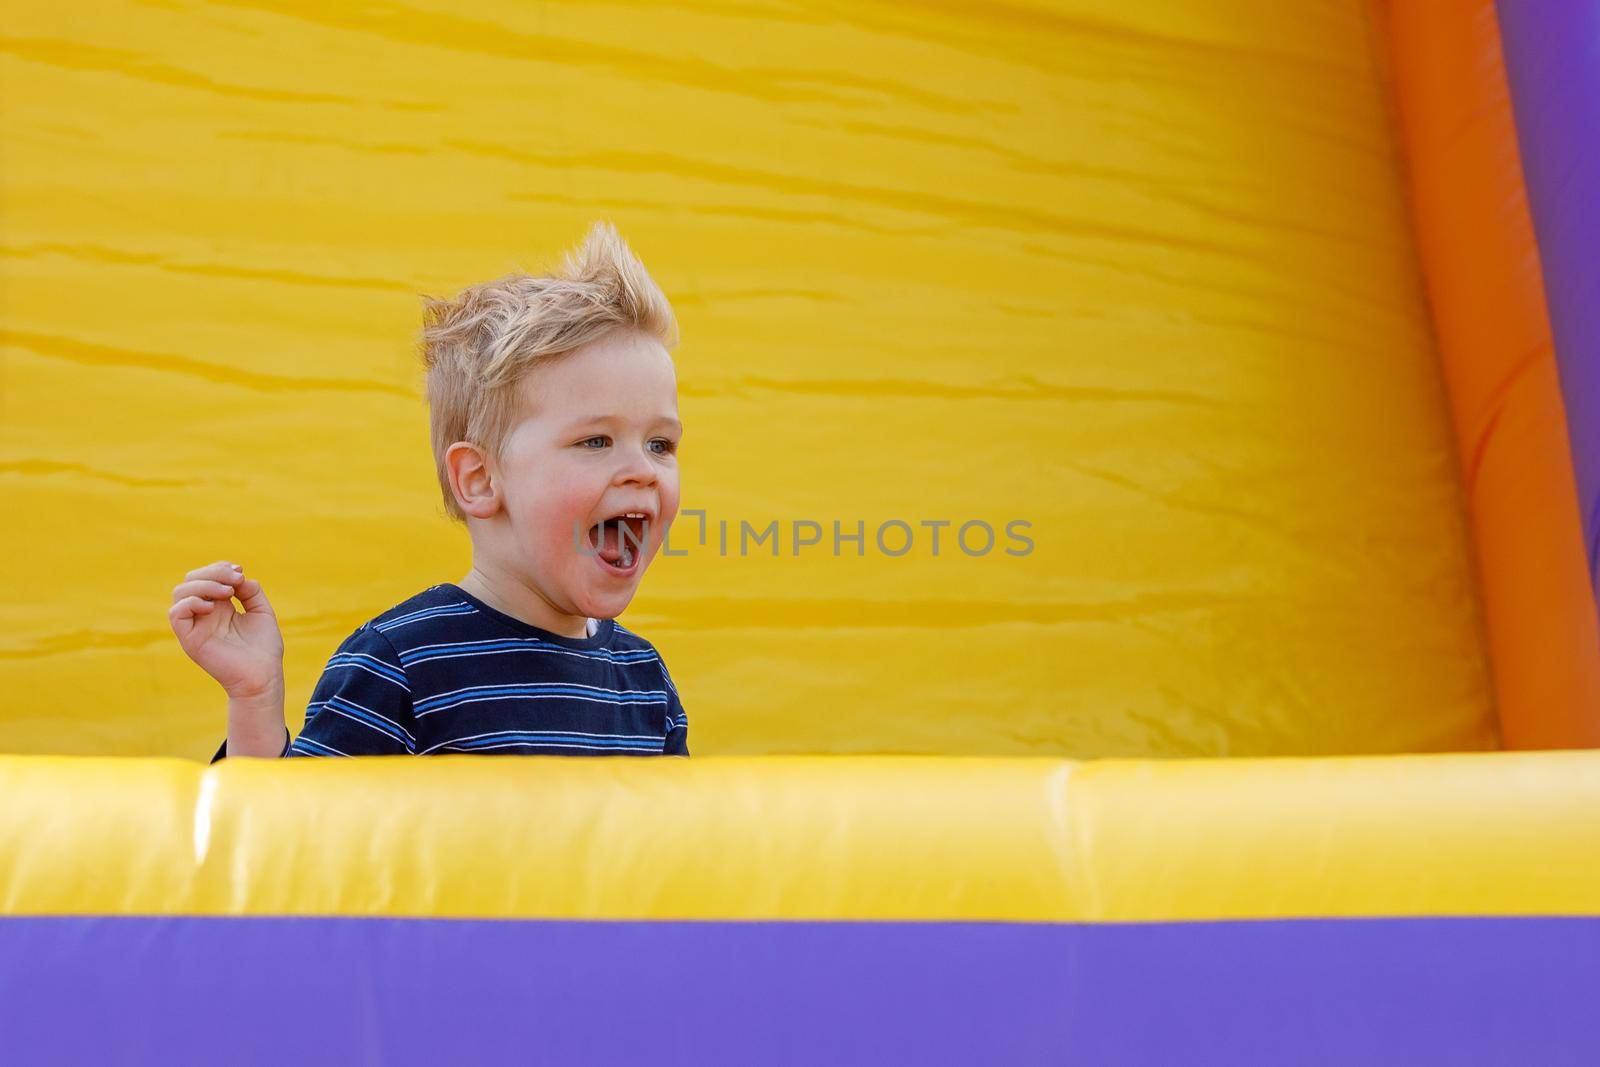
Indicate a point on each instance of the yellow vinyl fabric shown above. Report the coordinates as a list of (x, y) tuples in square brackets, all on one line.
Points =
[(1138, 275), (912, 838)]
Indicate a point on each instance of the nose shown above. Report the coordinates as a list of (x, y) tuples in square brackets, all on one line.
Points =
[(634, 468)]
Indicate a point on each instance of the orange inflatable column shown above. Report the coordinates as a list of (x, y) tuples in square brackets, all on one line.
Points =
[(1484, 282)]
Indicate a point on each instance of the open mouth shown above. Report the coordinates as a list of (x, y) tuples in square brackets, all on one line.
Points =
[(619, 542)]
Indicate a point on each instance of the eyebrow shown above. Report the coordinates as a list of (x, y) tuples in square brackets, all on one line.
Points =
[(588, 420)]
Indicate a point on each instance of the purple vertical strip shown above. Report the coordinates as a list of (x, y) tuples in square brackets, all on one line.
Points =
[(1552, 56), (1471, 991)]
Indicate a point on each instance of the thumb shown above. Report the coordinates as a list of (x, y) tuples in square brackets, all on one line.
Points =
[(254, 600)]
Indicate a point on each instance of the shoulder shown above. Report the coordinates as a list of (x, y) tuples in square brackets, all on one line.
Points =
[(436, 601), (433, 615), (388, 633), (368, 659)]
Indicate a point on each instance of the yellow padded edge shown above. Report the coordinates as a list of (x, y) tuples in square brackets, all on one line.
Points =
[(805, 837)]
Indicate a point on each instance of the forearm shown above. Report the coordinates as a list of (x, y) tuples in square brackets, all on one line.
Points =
[(255, 723)]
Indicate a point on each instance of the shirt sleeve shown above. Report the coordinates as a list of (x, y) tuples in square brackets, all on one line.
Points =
[(677, 743), (361, 705), (222, 749)]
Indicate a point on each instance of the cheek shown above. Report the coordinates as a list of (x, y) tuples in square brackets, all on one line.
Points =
[(553, 513), (669, 499)]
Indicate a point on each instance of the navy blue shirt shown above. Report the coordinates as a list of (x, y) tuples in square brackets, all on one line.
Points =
[(445, 672)]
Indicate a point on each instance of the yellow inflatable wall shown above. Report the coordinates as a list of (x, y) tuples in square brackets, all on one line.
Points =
[(1139, 275), (806, 838)]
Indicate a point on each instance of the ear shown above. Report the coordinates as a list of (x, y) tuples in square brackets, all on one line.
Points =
[(472, 479)]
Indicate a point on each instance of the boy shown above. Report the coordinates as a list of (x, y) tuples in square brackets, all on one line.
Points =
[(554, 421)]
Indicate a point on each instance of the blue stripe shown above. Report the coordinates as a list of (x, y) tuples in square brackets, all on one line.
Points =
[(600, 696), (313, 748), (423, 653), (351, 659), (556, 739), (425, 613), (377, 722)]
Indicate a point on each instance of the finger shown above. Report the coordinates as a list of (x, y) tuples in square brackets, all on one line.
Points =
[(254, 600), (184, 616), (202, 588), (205, 587), (187, 608), (221, 570)]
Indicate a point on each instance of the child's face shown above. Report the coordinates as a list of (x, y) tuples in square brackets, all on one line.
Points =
[(598, 441)]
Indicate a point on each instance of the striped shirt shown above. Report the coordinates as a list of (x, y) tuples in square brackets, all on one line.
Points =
[(445, 672)]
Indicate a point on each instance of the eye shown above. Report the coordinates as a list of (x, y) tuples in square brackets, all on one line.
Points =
[(663, 446), (598, 441)]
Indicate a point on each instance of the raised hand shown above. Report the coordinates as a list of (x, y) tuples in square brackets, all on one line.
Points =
[(243, 651)]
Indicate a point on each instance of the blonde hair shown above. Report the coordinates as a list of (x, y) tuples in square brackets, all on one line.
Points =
[(477, 346)]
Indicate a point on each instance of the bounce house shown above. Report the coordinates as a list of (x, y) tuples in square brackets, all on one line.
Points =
[(1269, 331)]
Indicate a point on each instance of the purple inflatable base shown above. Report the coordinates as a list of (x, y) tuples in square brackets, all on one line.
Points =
[(436, 991)]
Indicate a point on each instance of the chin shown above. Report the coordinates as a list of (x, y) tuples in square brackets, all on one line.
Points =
[(607, 606)]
